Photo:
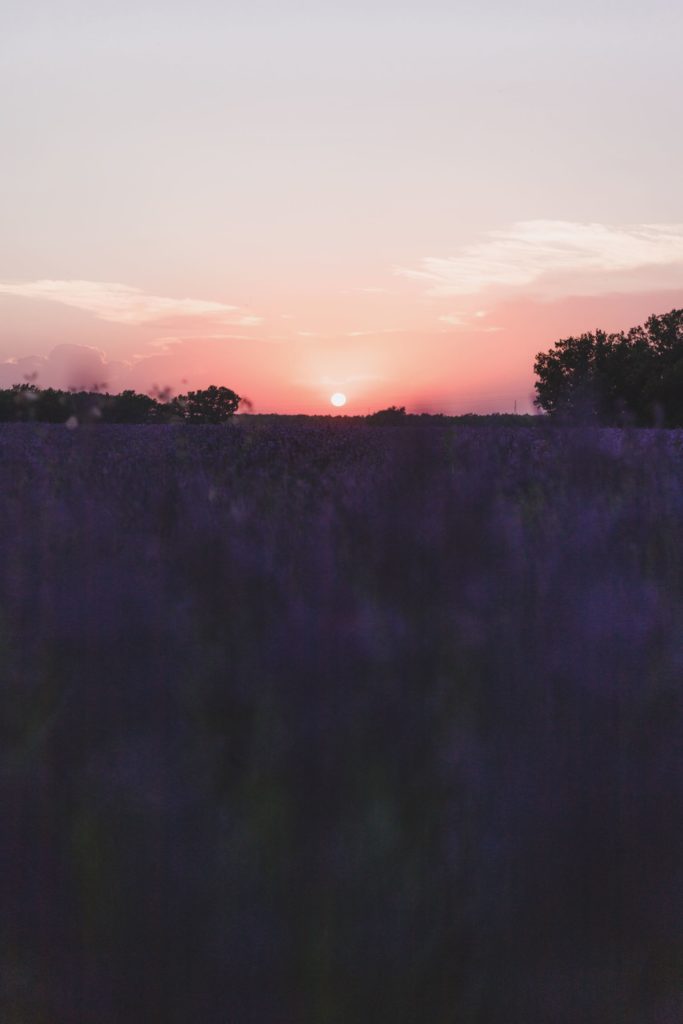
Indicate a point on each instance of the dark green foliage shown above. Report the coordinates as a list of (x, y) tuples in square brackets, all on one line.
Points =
[(633, 377)]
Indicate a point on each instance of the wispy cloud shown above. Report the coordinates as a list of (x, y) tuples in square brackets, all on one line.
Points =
[(454, 319), (248, 320), (341, 381), (554, 257), (122, 304), (166, 343), (470, 322), (376, 333)]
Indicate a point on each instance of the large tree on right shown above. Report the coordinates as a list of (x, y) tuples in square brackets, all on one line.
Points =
[(633, 377)]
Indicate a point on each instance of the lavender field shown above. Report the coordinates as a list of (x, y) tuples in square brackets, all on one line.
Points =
[(315, 722)]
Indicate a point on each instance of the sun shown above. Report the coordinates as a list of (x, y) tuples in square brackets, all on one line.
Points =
[(338, 399)]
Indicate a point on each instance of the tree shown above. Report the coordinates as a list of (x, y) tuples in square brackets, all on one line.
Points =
[(129, 407), (633, 377), (391, 416), (212, 405), (53, 406), (21, 404)]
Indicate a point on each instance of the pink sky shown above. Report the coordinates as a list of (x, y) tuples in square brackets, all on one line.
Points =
[(401, 202)]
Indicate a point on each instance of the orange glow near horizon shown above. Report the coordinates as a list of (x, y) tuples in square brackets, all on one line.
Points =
[(430, 356)]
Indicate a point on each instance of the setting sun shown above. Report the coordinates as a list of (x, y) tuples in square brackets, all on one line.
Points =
[(338, 399)]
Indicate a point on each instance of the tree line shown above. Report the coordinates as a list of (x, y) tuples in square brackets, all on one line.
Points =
[(27, 402), (632, 377)]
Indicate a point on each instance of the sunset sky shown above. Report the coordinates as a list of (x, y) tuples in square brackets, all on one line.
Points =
[(399, 201)]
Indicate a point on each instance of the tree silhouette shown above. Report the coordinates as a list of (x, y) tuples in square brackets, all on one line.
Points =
[(27, 402), (628, 377), (129, 407), (393, 415), (212, 405)]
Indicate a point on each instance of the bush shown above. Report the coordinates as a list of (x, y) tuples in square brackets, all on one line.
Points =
[(388, 417)]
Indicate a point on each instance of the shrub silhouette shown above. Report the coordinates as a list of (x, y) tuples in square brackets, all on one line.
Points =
[(392, 415)]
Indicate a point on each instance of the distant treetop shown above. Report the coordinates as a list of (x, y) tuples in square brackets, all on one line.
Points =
[(392, 415)]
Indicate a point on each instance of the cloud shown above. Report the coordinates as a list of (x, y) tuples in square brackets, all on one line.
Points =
[(328, 382), (469, 322), (166, 343), (249, 321), (122, 304), (66, 366), (453, 319), (555, 258), (376, 333)]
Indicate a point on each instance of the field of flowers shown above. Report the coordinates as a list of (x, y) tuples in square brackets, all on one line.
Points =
[(315, 722)]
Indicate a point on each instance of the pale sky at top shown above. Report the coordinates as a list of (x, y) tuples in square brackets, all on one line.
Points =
[(403, 201)]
